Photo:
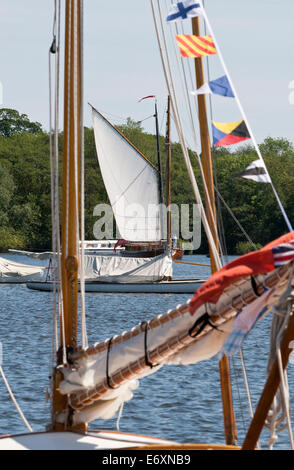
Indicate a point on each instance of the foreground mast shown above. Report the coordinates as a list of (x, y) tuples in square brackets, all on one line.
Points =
[(70, 193), (229, 419)]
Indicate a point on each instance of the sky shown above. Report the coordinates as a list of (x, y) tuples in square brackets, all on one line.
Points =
[(122, 61)]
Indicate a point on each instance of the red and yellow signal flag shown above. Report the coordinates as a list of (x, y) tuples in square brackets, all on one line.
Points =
[(195, 46)]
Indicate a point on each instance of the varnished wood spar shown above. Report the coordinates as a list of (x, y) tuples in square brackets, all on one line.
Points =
[(190, 446), (71, 155), (233, 304), (70, 189), (224, 367), (173, 346), (269, 390), (124, 138)]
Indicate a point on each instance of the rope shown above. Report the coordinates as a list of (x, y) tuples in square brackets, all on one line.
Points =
[(75, 114), (171, 90), (54, 164), (84, 340), (193, 264), (119, 416), (245, 378), (14, 400), (184, 82), (236, 384), (235, 219), (244, 117), (279, 416)]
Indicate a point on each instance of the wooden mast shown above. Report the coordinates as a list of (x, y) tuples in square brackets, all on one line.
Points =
[(70, 194), (158, 154), (229, 418)]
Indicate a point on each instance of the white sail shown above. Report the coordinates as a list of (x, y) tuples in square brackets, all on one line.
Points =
[(131, 183)]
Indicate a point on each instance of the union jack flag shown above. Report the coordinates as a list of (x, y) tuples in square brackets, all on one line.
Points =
[(283, 254)]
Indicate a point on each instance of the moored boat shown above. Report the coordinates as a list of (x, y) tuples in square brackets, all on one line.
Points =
[(92, 382)]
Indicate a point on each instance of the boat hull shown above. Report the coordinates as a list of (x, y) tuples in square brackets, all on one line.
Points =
[(176, 286)]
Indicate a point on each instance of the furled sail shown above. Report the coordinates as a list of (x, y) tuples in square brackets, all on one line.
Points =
[(131, 182), (105, 374)]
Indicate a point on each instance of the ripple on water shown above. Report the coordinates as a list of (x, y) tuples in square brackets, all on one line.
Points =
[(178, 403)]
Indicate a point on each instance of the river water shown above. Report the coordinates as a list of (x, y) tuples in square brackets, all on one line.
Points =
[(181, 403)]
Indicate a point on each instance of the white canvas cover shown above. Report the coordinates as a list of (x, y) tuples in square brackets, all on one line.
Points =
[(131, 183), (10, 271), (127, 269)]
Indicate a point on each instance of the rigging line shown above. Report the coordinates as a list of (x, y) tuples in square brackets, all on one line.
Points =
[(245, 118), (54, 311), (55, 48), (14, 400), (77, 129), (56, 151), (219, 214), (67, 145), (145, 119), (82, 197), (236, 376), (247, 388), (188, 104), (192, 81), (130, 185), (171, 89), (67, 111), (183, 77), (56, 155), (54, 344), (236, 220), (283, 380), (280, 406), (162, 121)]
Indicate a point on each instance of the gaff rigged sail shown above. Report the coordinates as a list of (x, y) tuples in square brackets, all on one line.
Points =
[(131, 182)]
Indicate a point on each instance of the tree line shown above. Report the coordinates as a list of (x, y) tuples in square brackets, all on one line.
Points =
[(25, 200)]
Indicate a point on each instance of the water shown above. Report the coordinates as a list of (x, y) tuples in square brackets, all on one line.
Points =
[(181, 403)]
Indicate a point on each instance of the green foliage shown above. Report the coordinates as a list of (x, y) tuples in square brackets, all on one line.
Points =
[(10, 238), (245, 247), (11, 122), (25, 201)]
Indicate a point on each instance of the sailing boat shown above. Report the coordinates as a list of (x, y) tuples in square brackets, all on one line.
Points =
[(12, 272), (131, 181), (92, 382)]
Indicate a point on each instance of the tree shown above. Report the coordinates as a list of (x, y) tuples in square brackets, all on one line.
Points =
[(11, 122)]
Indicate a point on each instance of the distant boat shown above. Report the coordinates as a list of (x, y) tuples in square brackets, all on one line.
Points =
[(18, 273), (145, 261), (125, 274), (93, 382)]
